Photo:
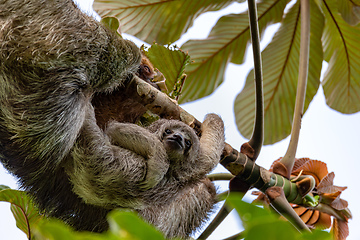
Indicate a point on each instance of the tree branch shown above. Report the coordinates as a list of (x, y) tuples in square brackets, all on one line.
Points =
[(257, 137), (221, 215)]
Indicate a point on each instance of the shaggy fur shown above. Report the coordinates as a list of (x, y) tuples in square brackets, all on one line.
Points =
[(53, 61)]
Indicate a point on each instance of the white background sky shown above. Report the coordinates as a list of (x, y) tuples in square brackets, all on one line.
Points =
[(326, 135)]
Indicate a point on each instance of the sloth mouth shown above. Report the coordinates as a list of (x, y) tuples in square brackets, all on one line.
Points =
[(176, 143)]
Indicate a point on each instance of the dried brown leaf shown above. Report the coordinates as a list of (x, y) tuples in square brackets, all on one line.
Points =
[(340, 229), (326, 185)]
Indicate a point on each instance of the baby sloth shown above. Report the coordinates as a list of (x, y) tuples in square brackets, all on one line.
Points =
[(185, 196), (160, 172)]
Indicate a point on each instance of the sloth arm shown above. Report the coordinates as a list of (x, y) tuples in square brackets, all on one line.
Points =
[(212, 142), (114, 168), (192, 204)]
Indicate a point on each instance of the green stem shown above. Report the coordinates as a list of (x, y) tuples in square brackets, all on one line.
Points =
[(258, 177), (256, 140), (289, 158), (279, 202)]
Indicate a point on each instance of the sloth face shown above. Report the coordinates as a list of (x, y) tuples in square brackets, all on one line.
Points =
[(177, 143), (180, 141)]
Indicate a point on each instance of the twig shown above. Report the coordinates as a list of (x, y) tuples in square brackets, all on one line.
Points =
[(239, 235), (220, 176)]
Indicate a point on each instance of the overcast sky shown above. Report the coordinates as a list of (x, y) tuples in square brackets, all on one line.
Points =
[(326, 135)]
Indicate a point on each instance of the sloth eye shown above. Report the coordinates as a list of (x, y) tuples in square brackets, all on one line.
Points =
[(147, 69), (168, 131), (188, 143)]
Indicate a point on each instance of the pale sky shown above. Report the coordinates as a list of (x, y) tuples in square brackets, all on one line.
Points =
[(326, 135)]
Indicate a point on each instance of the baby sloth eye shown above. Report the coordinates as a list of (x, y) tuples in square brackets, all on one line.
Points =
[(188, 143), (168, 131), (147, 69)]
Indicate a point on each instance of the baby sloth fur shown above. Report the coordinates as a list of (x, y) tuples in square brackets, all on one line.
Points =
[(53, 61)]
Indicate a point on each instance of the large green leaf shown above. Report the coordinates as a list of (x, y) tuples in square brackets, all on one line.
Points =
[(341, 82), (124, 225), (280, 76), (260, 223), (163, 21), (129, 224), (22, 207), (227, 42), (350, 10), (170, 61)]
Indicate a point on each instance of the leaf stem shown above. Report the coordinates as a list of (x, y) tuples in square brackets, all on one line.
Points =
[(289, 158), (257, 138)]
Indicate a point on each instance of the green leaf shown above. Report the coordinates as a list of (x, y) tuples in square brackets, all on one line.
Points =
[(260, 223), (280, 77), (54, 229), (350, 11), (170, 61), (23, 209), (2, 187), (157, 20), (277, 230), (128, 224), (226, 43), (111, 22), (250, 214), (315, 234), (341, 82)]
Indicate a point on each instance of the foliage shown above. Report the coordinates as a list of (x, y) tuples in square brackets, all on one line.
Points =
[(280, 77), (25, 212), (334, 34), (329, 210), (123, 226), (171, 62), (259, 223), (334, 31)]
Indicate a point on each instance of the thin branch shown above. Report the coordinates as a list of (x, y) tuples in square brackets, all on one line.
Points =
[(220, 176), (239, 235), (289, 158), (257, 138), (221, 215)]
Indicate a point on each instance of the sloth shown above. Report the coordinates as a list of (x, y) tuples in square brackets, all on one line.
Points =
[(161, 170), (118, 105), (77, 162), (185, 196)]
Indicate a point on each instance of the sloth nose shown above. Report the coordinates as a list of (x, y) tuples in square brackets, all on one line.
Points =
[(178, 137)]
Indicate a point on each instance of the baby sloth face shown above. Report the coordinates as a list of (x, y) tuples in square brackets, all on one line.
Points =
[(177, 143)]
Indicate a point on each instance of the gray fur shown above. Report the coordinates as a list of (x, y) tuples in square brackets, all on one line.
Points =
[(53, 60), (185, 197)]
